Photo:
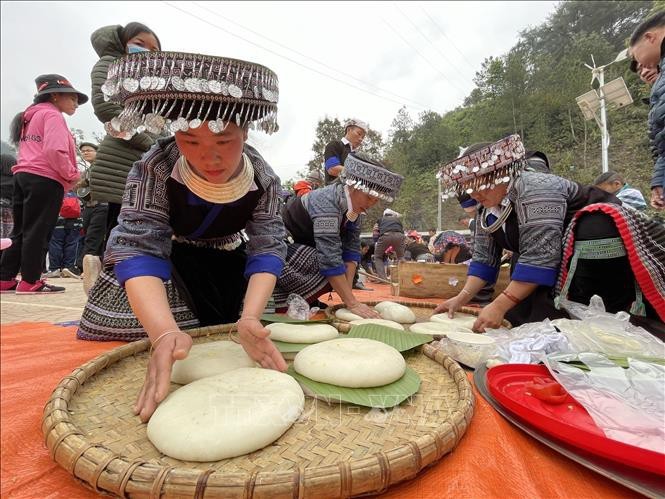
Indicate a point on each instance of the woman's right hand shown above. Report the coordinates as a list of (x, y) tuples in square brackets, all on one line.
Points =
[(451, 306), (158, 376), (364, 311)]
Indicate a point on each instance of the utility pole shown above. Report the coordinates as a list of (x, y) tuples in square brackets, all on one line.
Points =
[(438, 212), (593, 101)]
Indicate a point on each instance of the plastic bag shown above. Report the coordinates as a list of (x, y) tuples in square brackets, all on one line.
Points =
[(526, 344), (600, 331), (627, 404), (299, 308)]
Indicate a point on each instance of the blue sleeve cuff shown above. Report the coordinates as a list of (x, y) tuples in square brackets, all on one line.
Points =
[(332, 162), (485, 272), (350, 256), (340, 270), (468, 203), (537, 275), (143, 265), (263, 263)]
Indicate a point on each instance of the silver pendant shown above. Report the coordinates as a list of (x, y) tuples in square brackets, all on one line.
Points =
[(145, 83), (178, 83), (235, 91), (215, 87), (193, 85), (130, 84), (213, 126), (204, 86), (195, 123)]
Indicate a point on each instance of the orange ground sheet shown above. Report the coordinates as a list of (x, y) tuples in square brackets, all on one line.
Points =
[(494, 459)]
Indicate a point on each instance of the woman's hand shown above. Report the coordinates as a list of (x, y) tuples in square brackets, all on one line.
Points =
[(490, 317), (255, 339), (451, 306), (364, 311), (158, 376)]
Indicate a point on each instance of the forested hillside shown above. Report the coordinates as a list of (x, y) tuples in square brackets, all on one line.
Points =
[(530, 90)]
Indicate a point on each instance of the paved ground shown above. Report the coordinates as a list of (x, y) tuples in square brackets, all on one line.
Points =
[(59, 307)]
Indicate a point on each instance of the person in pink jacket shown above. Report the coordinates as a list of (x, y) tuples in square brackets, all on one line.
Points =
[(45, 170)]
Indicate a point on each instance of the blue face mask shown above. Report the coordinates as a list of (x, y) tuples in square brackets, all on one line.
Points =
[(133, 49)]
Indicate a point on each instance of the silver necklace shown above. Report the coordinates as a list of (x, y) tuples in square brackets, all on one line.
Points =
[(499, 221)]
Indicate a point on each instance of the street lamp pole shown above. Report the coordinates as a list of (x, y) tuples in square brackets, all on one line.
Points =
[(604, 135)]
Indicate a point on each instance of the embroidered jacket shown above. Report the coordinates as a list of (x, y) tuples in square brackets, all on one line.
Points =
[(543, 205), (319, 219), (157, 208)]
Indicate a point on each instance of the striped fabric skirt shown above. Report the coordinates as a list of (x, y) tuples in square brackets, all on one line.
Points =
[(109, 317), (300, 276)]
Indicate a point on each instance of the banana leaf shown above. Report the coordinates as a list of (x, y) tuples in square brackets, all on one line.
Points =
[(381, 397), (400, 340)]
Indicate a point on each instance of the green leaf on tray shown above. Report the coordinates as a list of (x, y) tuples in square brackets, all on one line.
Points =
[(382, 397), (286, 347), (400, 340), (285, 319)]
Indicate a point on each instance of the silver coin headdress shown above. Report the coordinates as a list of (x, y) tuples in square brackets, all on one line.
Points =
[(176, 91), (483, 169)]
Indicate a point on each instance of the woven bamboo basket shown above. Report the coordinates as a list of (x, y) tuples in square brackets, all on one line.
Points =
[(423, 311), (332, 451)]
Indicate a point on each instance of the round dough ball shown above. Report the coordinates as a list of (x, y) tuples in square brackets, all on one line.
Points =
[(210, 359), (346, 315), (380, 322), (351, 362), (395, 312), (441, 328), (464, 320), (228, 415), (300, 333)]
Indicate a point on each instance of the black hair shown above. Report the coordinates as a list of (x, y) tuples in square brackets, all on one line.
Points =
[(133, 29), (363, 244), (16, 125), (655, 21), (6, 162), (608, 177)]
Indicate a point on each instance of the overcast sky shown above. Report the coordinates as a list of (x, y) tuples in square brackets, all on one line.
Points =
[(363, 59)]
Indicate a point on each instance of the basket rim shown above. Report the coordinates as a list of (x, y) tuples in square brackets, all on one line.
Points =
[(330, 310), (58, 428)]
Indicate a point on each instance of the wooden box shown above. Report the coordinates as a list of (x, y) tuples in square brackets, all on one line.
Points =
[(439, 280)]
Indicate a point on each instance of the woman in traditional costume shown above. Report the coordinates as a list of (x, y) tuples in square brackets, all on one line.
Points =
[(325, 228), (557, 229), (199, 227)]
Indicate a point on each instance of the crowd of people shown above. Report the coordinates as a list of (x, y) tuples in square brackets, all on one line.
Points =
[(185, 224)]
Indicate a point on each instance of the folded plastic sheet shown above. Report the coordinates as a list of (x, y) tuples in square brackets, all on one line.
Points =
[(627, 404)]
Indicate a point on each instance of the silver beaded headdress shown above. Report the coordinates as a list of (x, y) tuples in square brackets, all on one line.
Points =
[(175, 91), (483, 169), (370, 177)]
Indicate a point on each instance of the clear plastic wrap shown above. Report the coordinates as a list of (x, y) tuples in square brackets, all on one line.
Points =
[(628, 404), (599, 331), (526, 344), (299, 308), (469, 354)]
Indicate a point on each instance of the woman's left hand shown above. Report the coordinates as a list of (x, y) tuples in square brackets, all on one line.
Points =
[(490, 317), (255, 339)]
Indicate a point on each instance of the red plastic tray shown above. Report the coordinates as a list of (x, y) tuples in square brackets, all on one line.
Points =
[(567, 421)]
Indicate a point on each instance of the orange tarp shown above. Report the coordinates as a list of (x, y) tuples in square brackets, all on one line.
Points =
[(494, 459)]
